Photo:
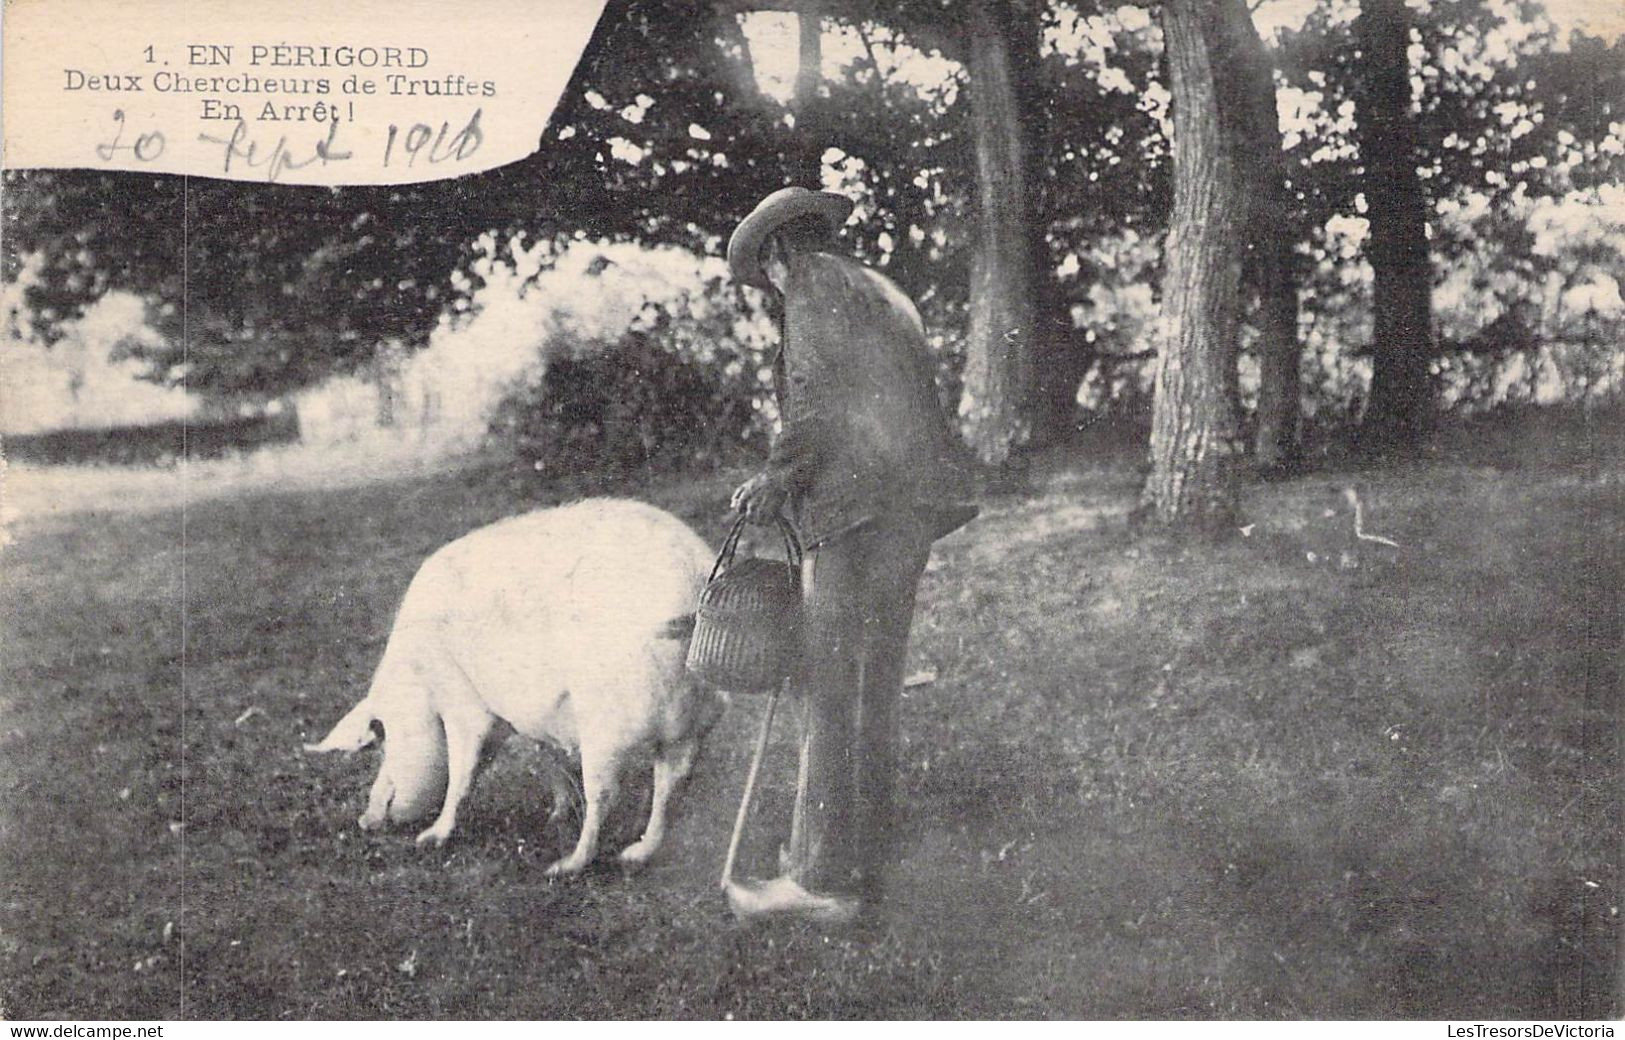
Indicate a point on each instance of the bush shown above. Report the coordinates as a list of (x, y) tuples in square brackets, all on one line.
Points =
[(629, 406)]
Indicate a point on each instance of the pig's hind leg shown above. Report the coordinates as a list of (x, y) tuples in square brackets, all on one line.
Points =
[(466, 722)]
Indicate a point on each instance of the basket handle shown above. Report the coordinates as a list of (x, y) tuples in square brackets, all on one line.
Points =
[(730, 545), (792, 546)]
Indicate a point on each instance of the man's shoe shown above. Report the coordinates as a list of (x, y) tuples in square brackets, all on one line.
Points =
[(755, 899)]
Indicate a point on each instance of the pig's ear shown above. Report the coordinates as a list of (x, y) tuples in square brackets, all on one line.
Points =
[(352, 733)]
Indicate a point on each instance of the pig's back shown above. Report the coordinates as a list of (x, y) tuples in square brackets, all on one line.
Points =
[(534, 605)]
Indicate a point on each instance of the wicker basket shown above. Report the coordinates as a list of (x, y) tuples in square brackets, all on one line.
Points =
[(747, 625)]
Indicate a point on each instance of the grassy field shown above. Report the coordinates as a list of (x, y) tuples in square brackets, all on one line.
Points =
[(1147, 782)]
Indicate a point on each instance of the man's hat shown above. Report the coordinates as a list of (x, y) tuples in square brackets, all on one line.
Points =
[(772, 213)]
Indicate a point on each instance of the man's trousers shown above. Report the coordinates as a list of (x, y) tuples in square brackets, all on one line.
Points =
[(858, 604)]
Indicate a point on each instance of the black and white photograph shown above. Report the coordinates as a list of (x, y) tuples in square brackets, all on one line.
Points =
[(813, 510)]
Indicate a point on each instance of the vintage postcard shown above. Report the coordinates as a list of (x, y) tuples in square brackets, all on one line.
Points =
[(626, 510)]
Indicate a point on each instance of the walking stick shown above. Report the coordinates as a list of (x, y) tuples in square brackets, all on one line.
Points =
[(750, 788)]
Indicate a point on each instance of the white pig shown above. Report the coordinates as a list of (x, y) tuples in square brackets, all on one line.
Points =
[(559, 622)]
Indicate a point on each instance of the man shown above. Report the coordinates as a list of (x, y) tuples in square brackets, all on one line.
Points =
[(869, 473)]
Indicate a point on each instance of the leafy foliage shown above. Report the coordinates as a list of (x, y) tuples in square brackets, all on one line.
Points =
[(629, 406)]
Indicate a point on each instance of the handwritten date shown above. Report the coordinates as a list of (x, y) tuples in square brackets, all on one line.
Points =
[(243, 149)]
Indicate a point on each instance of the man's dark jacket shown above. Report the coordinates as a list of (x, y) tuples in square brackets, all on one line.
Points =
[(862, 433)]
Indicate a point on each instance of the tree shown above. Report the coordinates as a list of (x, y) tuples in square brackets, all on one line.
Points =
[(1280, 406), (806, 154), (1508, 113), (1402, 329), (1101, 182), (1195, 439), (1001, 342), (1275, 235)]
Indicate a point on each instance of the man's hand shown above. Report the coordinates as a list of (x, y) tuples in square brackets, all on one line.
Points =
[(761, 498)]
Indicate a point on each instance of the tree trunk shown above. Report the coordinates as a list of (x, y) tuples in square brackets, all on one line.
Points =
[(1400, 402), (1195, 442), (1062, 361), (730, 31), (1001, 342), (1280, 392), (1274, 276), (805, 154)]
